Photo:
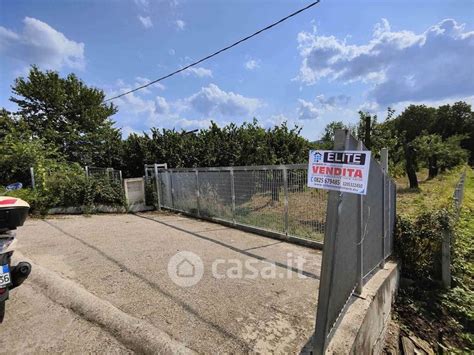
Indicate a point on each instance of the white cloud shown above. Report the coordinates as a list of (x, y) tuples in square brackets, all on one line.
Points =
[(180, 25), (145, 21), (142, 3), (252, 64), (42, 45), (369, 106), (200, 72), (161, 105), (275, 120), (171, 52), (402, 66), (332, 101), (139, 111), (307, 110), (212, 99), (191, 124), (135, 104), (128, 130)]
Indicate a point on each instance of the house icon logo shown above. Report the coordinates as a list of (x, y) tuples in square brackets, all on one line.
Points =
[(317, 157), (185, 269)]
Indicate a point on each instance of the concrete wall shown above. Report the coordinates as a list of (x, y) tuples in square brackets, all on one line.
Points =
[(135, 194), (362, 328)]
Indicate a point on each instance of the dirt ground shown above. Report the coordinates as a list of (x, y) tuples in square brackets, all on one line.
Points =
[(123, 259)]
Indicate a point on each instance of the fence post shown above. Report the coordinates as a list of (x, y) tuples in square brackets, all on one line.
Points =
[(172, 188), (327, 266), (360, 242), (446, 259), (385, 206), (285, 190), (157, 183), (198, 197), (32, 173), (232, 192)]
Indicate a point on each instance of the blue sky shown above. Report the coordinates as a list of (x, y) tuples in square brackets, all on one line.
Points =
[(323, 65)]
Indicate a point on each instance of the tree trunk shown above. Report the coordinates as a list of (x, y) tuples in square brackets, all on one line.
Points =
[(432, 168), (411, 167), (368, 128)]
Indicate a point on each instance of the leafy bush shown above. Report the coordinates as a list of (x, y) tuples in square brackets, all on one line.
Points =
[(103, 191), (63, 187), (150, 194), (69, 187), (418, 243), (440, 315)]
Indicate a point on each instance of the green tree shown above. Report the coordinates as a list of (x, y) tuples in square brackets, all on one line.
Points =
[(135, 153), (68, 114), (438, 153), (367, 124), (411, 123), (327, 139), (18, 155), (457, 119)]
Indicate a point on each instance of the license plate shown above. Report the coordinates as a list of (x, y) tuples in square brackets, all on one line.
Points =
[(4, 275)]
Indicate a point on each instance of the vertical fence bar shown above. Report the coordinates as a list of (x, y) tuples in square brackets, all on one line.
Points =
[(232, 193), (446, 259), (322, 327), (198, 196), (285, 191), (360, 241), (385, 206), (32, 173), (157, 183), (86, 169), (172, 188)]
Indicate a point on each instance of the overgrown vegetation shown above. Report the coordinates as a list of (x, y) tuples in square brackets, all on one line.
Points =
[(437, 139), (444, 317), (71, 189)]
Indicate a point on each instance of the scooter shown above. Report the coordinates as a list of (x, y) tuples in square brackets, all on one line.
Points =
[(13, 213)]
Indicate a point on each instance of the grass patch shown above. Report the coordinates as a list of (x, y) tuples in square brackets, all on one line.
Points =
[(432, 194)]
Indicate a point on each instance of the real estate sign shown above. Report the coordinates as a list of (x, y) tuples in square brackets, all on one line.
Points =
[(345, 171)]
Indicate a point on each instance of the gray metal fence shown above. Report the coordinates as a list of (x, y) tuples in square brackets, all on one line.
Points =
[(111, 173), (448, 237), (357, 230), (270, 199), (358, 239), (458, 194)]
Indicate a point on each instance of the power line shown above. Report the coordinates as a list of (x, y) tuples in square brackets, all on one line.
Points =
[(215, 53)]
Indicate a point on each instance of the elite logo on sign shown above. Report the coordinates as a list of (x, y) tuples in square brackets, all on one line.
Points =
[(345, 171)]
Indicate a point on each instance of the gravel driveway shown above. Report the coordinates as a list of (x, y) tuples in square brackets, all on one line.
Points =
[(123, 259)]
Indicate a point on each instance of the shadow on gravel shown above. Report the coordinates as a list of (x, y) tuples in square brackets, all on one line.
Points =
[(241, 251)]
